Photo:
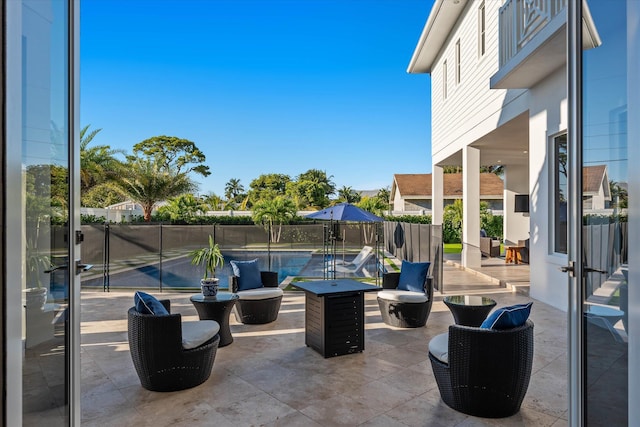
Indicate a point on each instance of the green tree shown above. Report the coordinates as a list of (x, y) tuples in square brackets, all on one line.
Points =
[(272, 213), (267, 186), (312, 189), (452, 222), (185, 207), (214, 202), (491, 224), (384, 195), (373, 204), (233, 189), (496, 169), (102, 195), (146, 182), (173, 153), (98, 167), (451, 169), (619, 195), (348, 194)]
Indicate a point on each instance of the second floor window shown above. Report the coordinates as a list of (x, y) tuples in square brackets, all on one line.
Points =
[(481, 30), (444, 79)]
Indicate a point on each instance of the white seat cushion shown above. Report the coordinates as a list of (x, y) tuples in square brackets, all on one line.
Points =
[(196, 333), (403, 296), (260, 293), (439, 347)]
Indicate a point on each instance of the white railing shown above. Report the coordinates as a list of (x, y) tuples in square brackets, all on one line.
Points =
[(521, 20)]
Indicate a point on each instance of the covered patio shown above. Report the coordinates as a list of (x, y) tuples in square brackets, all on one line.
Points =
[(267, 376)]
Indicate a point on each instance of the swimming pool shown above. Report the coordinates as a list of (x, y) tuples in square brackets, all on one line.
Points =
[(180, 273)]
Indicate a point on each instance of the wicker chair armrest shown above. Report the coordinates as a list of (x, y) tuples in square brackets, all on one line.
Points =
[(233, 283), (160, 333), (390, 280), (167, 304), (428, 287), (269, 279)]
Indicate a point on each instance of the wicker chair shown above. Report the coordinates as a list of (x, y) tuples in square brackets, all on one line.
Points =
[(256, 309), (401, 313), (488, 370), (161, 362)]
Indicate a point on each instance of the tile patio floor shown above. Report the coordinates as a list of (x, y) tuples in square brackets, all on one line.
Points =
[(268, 377)]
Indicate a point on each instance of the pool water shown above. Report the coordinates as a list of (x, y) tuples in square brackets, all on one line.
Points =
[(180, 273)]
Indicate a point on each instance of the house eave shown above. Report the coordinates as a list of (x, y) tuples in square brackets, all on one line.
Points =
[(442, 18)]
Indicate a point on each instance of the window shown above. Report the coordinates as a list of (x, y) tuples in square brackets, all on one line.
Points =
[(458, 62), (444, 79), (560, 194), (481, 30)]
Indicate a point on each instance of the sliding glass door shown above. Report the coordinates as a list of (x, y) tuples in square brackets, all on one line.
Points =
[(604, 218)]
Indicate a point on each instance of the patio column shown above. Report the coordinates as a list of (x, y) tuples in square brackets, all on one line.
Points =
[(471, 255), (437, 194), (515, 224)]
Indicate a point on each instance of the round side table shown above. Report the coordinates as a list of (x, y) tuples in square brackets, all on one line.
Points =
[(216, 308), (469, 310)]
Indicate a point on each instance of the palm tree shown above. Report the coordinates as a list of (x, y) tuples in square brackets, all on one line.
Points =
[(146, 182), (274, 211), (348, 194), (233, 189), (97, 163), (214, 202), (183, 207)]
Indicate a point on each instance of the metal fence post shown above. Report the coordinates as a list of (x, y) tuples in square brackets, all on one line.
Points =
[(105, 258), (160, 250)]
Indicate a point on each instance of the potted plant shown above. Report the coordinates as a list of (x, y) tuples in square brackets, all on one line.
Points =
[(210, 257), (36, 263)]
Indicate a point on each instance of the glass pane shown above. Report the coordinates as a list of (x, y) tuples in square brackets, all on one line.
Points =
[(45, 195), (560, 203), (604, 195)]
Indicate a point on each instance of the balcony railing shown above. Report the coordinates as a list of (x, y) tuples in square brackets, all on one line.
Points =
[(521, 20)]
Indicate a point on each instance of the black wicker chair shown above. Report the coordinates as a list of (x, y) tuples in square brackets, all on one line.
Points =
[(257, 310), (488, 370), (161, 362), (405, 314)]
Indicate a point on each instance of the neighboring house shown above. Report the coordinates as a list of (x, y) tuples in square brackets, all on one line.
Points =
[(595, 187), (412, 192), (500, 98)]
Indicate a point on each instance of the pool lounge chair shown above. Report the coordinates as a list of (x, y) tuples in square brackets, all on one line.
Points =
[(366, 250), (353, 268)]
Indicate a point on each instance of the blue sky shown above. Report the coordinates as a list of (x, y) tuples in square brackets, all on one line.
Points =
[(262, 86)]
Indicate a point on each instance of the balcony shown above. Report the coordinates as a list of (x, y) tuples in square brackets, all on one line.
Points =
[(532, 41)]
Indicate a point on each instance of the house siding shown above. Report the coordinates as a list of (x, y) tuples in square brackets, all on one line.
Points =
[(471, 110)]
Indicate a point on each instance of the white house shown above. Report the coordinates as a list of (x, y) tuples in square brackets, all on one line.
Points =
[(493, 103), (548, 89)]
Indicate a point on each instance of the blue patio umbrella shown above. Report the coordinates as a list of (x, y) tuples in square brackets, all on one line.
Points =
[(345, 212)]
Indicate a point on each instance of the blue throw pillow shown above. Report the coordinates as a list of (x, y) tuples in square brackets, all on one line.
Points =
[(148, 304), (248, 274), (413, 275), (508, 317)]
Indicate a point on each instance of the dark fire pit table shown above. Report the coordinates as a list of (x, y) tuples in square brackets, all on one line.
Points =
[(334, 315)]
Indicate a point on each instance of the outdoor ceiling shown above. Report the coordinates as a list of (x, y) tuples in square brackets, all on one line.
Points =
[(508, 145)]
